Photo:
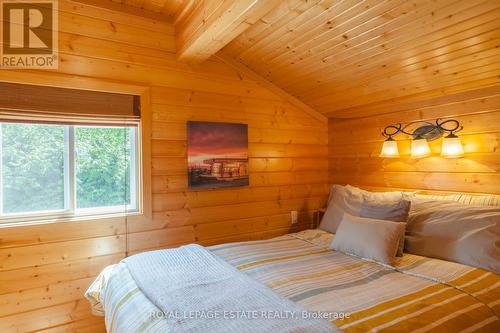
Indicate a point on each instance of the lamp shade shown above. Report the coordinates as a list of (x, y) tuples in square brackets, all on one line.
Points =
[(420, 148), (389, 149), (452, 147)]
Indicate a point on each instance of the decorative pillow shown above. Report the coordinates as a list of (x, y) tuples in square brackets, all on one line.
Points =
[(368, 238), (342, 200), (388, 211), (455, 232), (389, 206)]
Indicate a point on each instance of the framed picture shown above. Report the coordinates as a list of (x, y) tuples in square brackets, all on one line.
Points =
[(217, 155)]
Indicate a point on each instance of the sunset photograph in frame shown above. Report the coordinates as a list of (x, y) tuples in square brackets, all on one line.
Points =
[(217, 155)]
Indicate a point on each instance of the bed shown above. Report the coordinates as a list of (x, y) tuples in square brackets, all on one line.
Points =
[(416, 293)]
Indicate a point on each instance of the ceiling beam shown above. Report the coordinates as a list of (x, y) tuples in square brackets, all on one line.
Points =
[(210, 25), (243, 69)]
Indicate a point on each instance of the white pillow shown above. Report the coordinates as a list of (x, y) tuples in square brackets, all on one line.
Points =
[(455, 232), (378, 196), (464, 198), (368, 238)]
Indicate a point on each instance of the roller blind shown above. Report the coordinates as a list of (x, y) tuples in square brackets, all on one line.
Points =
[(30, 103)]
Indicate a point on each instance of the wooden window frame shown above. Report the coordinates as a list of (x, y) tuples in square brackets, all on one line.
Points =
[(144, 130)]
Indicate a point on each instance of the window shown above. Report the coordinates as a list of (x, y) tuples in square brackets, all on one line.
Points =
[(51, 171)]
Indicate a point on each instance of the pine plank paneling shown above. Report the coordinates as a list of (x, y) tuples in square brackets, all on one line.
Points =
[(50, 253), (42, 275), (209, 25), (171, 8), (54, 316), (45, 268), (339, 57), (354, 146), (365, 64)]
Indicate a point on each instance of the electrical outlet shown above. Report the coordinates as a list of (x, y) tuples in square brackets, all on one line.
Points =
[(295, 216)]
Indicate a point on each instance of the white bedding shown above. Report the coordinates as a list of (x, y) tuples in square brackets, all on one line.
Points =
[(199, 292)]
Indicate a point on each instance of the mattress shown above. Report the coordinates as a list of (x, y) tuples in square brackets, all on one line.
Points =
[(416, 294)]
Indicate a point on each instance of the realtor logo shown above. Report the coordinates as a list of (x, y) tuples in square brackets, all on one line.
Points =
[(29, 34)]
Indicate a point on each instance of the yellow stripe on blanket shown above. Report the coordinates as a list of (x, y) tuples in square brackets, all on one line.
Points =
[(409, 312), (122, 302), (466, 319), (489, 284), (495, 306), (448, 314), (488, 325), (294, 279), (483, 285), (470, 277), (379, 309), (265, 261)]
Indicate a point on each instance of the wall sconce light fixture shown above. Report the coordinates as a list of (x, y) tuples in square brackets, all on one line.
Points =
[(451, 148), (389, 148), (420, 148)]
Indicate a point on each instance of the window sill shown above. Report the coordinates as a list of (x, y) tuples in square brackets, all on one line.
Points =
[(64, 219)]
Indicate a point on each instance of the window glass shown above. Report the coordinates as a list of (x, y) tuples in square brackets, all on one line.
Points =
[(32, 165), (53, 171), (103, 166)]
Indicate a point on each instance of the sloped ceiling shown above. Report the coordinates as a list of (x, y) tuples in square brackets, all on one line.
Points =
[(340, 56), (170, 8)]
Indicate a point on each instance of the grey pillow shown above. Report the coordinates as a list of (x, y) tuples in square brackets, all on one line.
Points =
[(390, 206), (455, 232), (342, 200), (396, 211), (368, 238)]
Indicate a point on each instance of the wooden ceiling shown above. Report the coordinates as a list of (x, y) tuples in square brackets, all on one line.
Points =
[(170, 8), (341, 57), (336, 55)]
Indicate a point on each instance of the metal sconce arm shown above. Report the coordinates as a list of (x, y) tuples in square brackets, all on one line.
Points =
[(428, 130)]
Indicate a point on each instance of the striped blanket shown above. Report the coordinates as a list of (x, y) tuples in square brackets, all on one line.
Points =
[(417, 294), (200, 292)]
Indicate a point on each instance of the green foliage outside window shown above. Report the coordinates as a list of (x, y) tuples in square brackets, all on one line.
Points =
[(33, 167), (103, 166)]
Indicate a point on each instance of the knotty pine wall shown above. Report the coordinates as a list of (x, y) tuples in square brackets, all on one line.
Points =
[(45, 269), (354, 145)]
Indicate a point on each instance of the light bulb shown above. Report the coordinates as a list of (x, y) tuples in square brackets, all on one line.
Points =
[(420, 148), (452, 147), (389, 149)]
